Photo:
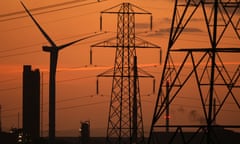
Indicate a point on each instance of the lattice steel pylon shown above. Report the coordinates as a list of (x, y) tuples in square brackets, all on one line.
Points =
[(125, 123), (201, 72)]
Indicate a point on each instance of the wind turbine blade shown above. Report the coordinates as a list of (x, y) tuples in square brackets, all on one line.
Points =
[(39, 27), (73, 42)]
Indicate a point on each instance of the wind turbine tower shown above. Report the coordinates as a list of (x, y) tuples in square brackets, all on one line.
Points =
[(125, 123)]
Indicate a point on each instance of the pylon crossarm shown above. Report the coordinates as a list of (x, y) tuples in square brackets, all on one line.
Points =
[(140, 43), (144, 73), (113, 10), (111, 42), (225, 50), (107, 73)]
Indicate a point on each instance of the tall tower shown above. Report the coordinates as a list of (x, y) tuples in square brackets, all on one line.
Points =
[(125, 123), (31, 103), (202, 73), (0, 118)]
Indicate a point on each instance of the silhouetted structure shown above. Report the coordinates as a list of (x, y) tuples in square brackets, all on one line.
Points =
[(125, 123), (53, 50), (8, 138), (85, 132), (222, 136), (200, 72), (0, 118), (31, 102)]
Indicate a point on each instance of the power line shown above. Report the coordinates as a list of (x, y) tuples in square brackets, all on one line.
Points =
[(31, 45), (71, 99), (8, 80), (82, 105), (40, 8), (33, 51), (9, 116), (74, 79), (191, 106), (8, 89), (19, 48), (44, 12), (64, 100), (60, 81), (59, 101), (64, 108), (11, 109), (18, 54), (74, 98), (199, 34), (52, 21)]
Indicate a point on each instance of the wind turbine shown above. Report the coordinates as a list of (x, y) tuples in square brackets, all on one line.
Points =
[(53, 50)]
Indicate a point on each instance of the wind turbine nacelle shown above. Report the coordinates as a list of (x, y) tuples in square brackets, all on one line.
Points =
[(47, 48)]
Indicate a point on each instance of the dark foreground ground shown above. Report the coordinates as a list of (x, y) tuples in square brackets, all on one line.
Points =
[(221, 136), (76, 140), (6, 138)]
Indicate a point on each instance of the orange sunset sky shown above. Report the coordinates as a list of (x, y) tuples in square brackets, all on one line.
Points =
[(67, 20)]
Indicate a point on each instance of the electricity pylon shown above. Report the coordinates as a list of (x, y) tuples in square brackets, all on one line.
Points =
[(53, 50), (125, 123), (200, 72)]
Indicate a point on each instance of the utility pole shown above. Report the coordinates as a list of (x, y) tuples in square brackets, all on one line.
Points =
[(167, 105), (42, 106), (0, 118), (135, 103), (125, 123)]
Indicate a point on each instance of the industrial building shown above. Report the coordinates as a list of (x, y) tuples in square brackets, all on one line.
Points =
[(31, 103)]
